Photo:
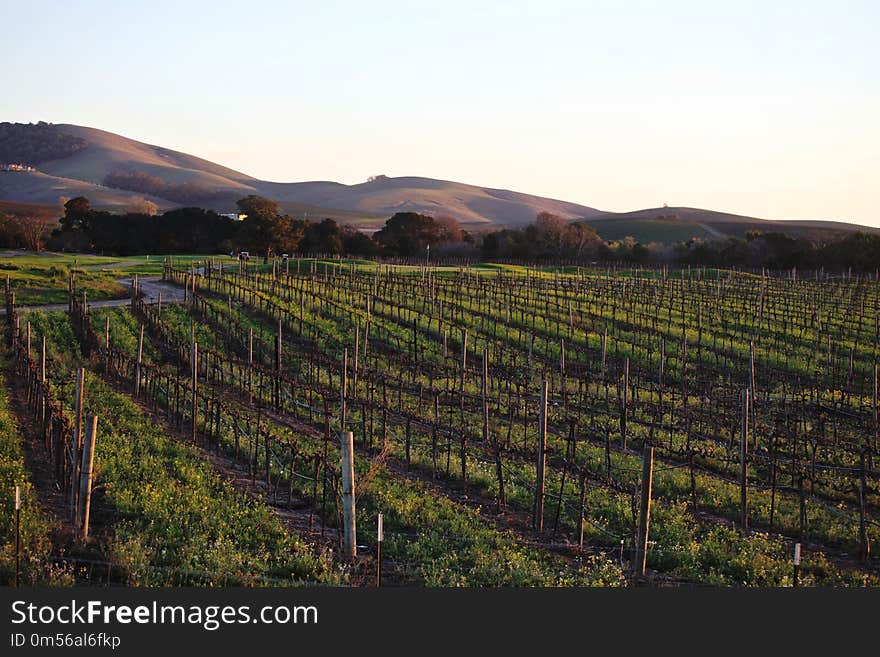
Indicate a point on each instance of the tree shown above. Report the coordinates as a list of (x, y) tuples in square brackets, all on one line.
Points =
[(451, 228), (265, 228), (25, 231), (581, 240), (254, 205), (77, 214), (548, 234), (408, 233), (140, 205), (354, 242), (322, 237)]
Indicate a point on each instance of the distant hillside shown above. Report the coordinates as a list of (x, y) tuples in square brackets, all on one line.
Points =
[(111, 167), (114, 172), (674, 224), (30, 210), (473, 206), (43, 189), (32, 144)]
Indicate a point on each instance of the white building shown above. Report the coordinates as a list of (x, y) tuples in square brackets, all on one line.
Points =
[(14, 166)]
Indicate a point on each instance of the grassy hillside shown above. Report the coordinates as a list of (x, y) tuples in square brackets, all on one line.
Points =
[(472, 205), (648, 230), (30, 209), (676, 224), (43, 189), (112, 170), (171, 178)]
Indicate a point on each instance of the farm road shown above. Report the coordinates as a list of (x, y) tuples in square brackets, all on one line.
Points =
[(150, 287)]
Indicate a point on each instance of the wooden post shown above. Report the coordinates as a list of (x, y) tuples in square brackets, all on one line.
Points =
[(107, 344), (380, 536), (624, 404), (43, 383), (743, 467), (159, 306), (278, 365), (541, 459), (357, 352), (876, 416), (137, 369), (753, 391), (463, 451), (464, 337), (17, 580), (604, 348), (348, 496), (250, 372), (195, 372), (342, 382), (796, 564), (582, 500), (77, 441), (88, 461), (864, 541), (485, 392), (641, 557)]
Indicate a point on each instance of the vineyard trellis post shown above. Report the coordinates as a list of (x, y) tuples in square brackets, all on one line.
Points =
[(624, 404), (485, 396), (75, 447), (137, 370), (864, 540), (354, 372), (541, 459), (17, 579), (107, 344), (43, 383), (87, 474), (380, 537), (250, 366), (641, 556), (195, 385), (348, 496), (342, 382), (876, 413), (743, 462), (463, 450), (581, 502)]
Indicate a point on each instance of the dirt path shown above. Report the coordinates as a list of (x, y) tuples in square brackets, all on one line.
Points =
[(150, 286)]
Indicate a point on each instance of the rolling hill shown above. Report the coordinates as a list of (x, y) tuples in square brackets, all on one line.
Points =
[(114, 171), (674, 224), (171, 178)]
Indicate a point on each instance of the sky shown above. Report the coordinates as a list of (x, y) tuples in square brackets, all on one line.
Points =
[(766, 108)]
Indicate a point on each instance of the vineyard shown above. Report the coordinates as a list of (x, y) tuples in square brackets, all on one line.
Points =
[(513, 427)]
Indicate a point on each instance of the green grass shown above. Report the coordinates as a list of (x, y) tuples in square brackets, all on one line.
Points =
[(40, 279)]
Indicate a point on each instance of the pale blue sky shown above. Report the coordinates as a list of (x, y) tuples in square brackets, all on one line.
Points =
[(762, 108)]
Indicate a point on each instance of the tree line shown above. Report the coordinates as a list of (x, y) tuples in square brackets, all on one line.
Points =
[(266, 231)]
